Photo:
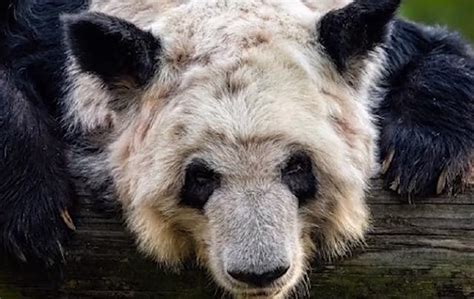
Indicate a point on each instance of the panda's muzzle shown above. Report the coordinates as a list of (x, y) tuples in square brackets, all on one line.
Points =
[(253, 227)]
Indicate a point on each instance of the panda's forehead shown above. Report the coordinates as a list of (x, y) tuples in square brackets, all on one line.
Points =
[(238, 74), (219, 20), (250, 95), (243, 155), (260, 92), (225, 27)]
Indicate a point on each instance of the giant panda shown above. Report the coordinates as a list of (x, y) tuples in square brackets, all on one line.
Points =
[(240, 134)]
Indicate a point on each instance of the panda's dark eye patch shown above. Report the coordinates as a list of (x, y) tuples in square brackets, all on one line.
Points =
[(297, 174), (199, 183)]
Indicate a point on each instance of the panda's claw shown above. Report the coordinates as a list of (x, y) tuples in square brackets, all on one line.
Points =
[(37, 239), (66, 217), (61, 251), (387, 161), (427, 176), (395, 185), (18, 252), (442, 181), (21, 256)]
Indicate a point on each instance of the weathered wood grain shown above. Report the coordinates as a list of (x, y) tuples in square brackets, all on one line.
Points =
[(423, 250)]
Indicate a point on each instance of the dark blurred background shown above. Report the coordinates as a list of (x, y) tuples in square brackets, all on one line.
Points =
[(455, 14)]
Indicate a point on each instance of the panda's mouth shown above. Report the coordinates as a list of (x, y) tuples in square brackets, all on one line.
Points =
[(262, 294), (273, 291)]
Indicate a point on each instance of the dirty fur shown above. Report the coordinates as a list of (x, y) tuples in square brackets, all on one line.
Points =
[(275, 114)]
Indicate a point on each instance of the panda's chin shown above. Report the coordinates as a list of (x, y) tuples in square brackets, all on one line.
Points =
[(267, 293), (278, 291), (270, 294), (274, 292)]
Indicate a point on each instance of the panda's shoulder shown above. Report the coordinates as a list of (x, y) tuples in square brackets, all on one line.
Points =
[(409, 40)]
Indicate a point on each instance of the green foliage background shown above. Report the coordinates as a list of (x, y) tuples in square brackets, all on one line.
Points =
[(455, 14)]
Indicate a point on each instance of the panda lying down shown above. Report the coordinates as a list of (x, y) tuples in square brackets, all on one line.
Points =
[(241, 134)]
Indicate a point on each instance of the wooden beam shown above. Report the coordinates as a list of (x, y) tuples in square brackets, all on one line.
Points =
[(423, 250)]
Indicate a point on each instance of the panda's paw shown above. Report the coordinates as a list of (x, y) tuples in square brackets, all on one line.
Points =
[(36, 236), (418, 163)]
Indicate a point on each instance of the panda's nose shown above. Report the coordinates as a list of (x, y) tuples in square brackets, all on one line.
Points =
[(259, 279)]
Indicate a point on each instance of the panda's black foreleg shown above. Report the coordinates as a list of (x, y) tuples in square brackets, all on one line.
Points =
[(427, 124), (35, 193)]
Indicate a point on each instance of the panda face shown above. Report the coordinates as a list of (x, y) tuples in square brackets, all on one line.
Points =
[(242, 178), (238, 134)]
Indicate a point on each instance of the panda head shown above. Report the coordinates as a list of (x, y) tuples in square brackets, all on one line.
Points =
[(236, 134)]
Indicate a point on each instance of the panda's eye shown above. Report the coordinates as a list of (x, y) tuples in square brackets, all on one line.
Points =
[(199, 183), (204, 176), (297, 174), (294, 167)]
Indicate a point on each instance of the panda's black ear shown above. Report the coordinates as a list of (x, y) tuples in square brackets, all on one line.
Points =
[(349, 34), (115, 50)]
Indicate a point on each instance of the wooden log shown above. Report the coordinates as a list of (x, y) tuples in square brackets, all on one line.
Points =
[(422, 250)]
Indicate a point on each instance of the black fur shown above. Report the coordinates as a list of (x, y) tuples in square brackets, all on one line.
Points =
[(350, 33), (35, 190), (113, 49), (34, 184), (199, 184), (427, 115), (299, 177)]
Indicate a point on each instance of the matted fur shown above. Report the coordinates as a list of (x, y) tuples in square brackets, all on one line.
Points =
[(238, 133), (241, 84)]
